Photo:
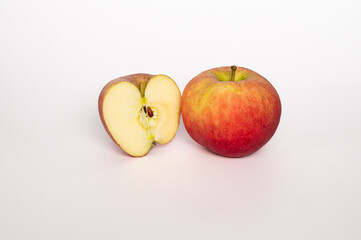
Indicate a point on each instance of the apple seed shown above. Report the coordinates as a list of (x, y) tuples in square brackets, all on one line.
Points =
[(150, 112)]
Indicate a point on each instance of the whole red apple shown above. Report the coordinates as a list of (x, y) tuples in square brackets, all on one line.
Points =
[(232, 111)]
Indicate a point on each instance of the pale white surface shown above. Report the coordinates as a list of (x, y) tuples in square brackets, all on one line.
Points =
[(61, 177)]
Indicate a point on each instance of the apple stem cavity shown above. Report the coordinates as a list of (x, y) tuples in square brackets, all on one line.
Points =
[(233, 68), (141, 88)]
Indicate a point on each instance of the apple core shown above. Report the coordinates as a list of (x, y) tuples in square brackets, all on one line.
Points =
[(148, 119)]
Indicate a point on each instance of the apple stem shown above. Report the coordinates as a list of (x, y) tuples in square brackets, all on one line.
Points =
[(234, 68)]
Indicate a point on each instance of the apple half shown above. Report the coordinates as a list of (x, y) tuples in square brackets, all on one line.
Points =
[(140, 110)]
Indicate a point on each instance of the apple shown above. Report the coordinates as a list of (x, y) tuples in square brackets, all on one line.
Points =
[(232, 111), (140, 110)]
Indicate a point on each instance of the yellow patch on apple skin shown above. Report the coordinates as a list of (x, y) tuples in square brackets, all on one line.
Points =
[(225, 76)]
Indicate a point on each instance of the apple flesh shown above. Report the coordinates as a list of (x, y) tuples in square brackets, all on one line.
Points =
[(232, 111), (139, 110)]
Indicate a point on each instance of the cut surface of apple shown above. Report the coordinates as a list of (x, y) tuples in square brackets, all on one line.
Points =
[(139, 110)]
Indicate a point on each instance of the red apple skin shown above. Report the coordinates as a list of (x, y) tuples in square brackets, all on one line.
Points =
[(230, 118), (136, 79)]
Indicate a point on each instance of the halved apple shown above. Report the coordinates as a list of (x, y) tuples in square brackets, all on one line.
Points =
[(139, 110)]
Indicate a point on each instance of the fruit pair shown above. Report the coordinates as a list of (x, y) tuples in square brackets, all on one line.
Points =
[(230, 111)]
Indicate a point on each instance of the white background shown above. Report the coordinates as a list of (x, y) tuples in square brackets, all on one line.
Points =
[(61, 176)]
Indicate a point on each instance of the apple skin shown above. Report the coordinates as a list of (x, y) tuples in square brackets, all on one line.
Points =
[(230, 118), (136, 79)]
